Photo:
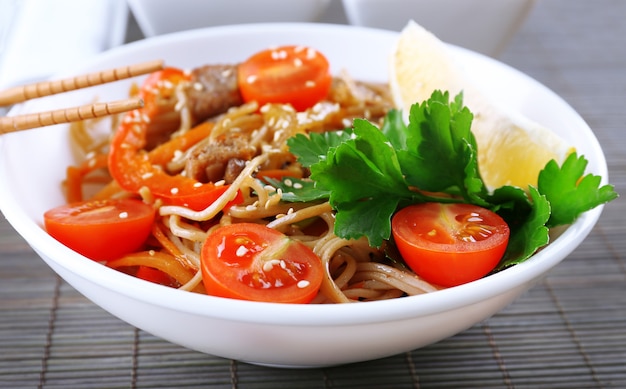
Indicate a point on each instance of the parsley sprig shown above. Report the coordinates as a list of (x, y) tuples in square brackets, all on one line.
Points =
[(368, 173)]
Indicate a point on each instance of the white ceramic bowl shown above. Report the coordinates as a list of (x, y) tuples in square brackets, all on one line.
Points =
[(484, 26), (156, 17), (32, 165)]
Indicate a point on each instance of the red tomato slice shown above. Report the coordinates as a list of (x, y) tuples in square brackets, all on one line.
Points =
[(101, 230), (450, 244), (156, 276), (295, 75), (249, 261)]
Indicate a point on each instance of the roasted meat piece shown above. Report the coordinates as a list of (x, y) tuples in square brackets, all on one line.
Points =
[(213, 90), (221, 159)]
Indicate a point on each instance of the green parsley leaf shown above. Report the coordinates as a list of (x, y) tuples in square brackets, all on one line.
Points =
[(299, 190), (440, 154), (313, 148), (359, 171), (569, 192), (370, 218), (395, 130), (360, 168), (531, 234)]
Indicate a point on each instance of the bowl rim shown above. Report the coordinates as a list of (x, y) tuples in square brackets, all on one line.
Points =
[(300, 315)]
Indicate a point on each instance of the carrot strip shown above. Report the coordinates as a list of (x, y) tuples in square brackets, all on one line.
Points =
[(75, 176), (156, 260), (164, 153)]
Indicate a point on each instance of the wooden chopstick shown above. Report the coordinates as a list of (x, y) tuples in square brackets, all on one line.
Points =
[(22, 93), (90, 111)]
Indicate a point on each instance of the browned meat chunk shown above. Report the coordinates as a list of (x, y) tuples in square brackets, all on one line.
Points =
[(213, 90), (222, 159)]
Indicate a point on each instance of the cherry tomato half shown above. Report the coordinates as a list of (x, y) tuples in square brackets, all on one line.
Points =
[(450, 244), (249, 261), (295, 75), (101, 229)]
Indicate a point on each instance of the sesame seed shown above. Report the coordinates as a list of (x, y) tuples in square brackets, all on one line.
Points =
[(123, 215), (297, 185), (174, 191), (147, 175), (241, 251), (278, 134), (282, 123), (303, 284), (309, 84), (269, 265), (279, 54), (197, 184), (288, 182), (251, 79), (220, 183), (297, 62)]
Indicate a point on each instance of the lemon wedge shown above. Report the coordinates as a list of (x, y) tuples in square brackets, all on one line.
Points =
[(512, 148)]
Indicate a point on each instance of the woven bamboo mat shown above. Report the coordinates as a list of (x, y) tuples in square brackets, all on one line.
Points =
[(568, 331)]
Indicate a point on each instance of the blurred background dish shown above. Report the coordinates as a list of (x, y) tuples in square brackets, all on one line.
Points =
[(485, 26), (157, 17)]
